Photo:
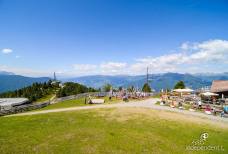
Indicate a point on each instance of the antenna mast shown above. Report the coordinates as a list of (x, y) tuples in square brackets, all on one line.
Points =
[(147, 75), (54, 77)]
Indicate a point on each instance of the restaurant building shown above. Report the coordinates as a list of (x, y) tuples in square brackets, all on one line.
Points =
[(220, 87)]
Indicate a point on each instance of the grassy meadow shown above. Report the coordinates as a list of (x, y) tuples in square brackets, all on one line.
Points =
[(44, 99), (77, 102), (116, 130)]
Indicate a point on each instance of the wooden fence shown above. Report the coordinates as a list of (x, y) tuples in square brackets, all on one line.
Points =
[(29, 107)]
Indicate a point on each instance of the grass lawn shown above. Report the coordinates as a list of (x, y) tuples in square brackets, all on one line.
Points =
[(77, 102), (65, 104), (44, 99), (117, 130), (156, 96)]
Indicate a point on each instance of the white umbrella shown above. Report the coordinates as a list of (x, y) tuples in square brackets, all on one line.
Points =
[(187, 90), (209, 94), (181, 91)]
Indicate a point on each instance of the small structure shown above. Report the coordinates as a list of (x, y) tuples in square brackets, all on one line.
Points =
[(220, 87), (97, 101), (8, 103)]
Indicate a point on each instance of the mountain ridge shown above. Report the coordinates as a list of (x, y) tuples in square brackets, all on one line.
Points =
[(10, 81), (158, 81), (13, 82)]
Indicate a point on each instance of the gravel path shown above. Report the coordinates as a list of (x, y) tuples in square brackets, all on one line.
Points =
[(149, 103)]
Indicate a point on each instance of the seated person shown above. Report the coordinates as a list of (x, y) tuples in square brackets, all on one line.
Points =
[(172, 104), (180, 105), (225, 108), (162, 102), (125, 98)]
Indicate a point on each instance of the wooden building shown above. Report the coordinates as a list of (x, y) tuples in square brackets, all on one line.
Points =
[(220, 87)]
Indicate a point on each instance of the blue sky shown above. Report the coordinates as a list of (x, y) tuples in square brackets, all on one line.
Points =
[(88, 37)]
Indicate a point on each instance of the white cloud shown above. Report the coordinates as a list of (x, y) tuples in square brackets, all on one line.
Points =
[(26, 71), (208, 52), (84, 68), (7, 51), (192, 57), (113, 67), (184, 46), (103, 68)]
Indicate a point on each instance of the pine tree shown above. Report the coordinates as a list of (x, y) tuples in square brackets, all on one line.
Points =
[(179, 85), (146, 88)]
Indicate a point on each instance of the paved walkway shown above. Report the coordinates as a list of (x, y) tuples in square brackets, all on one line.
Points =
[(149, 103)]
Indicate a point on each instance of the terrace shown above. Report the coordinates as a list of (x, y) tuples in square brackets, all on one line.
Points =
[(187, 99)]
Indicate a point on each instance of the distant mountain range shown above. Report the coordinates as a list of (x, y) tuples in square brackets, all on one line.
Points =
[(157, 81), (6, 73), (10, 81)]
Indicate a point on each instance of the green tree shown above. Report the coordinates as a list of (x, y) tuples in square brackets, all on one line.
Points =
[(179, 85), (131, 89), (107, 87), (146, 88), (33, 92), (120, 88), (71, 88)]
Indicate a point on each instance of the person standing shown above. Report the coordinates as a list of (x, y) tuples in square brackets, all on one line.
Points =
[(200, 104)]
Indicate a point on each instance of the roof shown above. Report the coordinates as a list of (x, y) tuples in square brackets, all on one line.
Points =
[(219, 86), (12, 101)]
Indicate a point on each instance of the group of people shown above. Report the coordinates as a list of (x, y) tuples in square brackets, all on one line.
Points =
[(125, 95), (196, 103)]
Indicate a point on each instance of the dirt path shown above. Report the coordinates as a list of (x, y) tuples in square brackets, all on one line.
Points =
[(149, 103)]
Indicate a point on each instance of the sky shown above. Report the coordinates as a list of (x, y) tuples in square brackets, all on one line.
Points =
[(113, 37)]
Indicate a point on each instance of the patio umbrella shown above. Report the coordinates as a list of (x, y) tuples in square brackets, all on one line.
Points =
[(209, 94), (187, 90)]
